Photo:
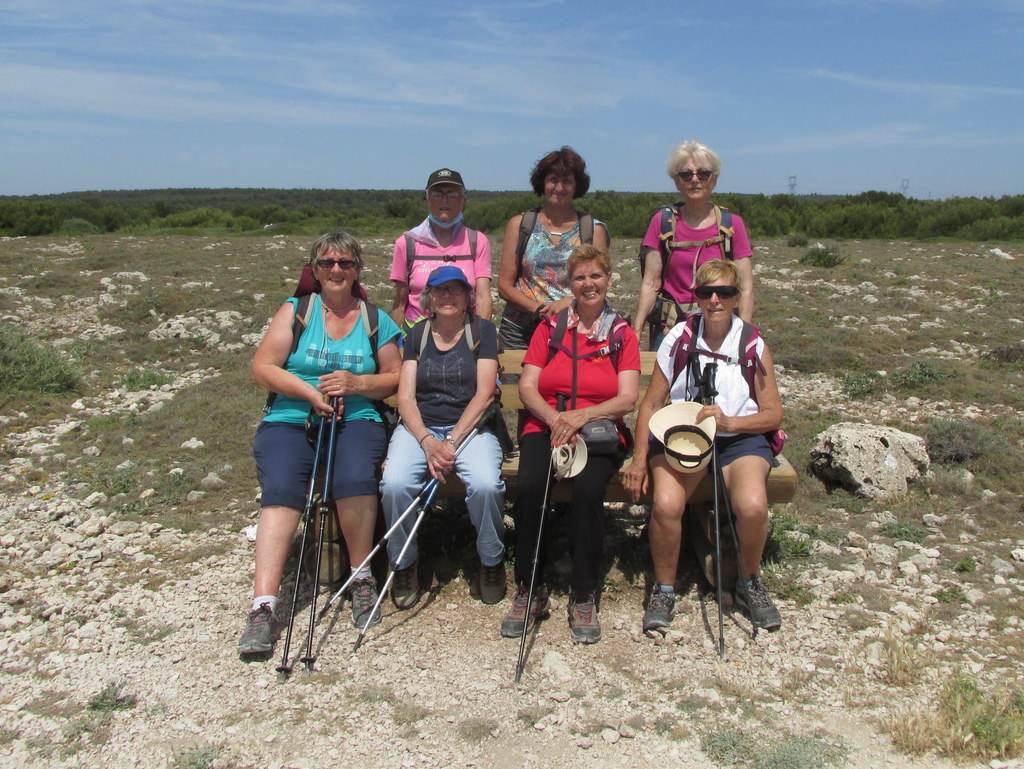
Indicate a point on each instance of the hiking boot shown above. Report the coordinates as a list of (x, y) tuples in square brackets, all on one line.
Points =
[(260, 631), (405, 590), (661, 608), (512, 625), (364, 596), (492, 584), (761, 610), (583, 622)]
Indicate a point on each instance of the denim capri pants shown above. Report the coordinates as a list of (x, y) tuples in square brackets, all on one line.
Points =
[(284, 461), (730, 448)]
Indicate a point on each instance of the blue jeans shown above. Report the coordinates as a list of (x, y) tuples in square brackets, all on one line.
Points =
[(479, 468)]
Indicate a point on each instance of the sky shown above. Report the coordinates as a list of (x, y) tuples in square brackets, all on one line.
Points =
[(924, 97)]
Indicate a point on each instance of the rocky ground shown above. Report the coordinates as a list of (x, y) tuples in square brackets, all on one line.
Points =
[(118, 633)]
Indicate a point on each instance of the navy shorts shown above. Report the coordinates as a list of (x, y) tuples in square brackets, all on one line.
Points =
[(730, 448), (284, 461)]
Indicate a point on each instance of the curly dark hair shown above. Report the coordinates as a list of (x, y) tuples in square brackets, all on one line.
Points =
[(562, 162)]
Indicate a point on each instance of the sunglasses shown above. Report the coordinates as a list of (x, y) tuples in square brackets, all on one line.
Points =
[(724, 292), (703, 174), (456, 290), (328, 264)]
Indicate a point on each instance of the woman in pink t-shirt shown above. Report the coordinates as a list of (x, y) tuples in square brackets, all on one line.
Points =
[(666, 293)]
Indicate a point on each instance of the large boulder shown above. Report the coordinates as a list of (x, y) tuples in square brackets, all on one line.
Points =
[(869, 460)]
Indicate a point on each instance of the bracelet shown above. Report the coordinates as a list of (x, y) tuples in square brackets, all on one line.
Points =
[(428, 435), (450, 440)]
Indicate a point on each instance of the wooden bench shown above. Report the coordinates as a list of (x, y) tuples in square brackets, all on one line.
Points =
[(781, 479)]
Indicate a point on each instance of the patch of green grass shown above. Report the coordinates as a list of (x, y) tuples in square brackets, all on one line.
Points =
[(198, 758), (799, 594), (905, 531), (27, 365), (956, 441), (951, 594), (965, 722), (145, 379), (110, 698), (966, 565), (735, 746)]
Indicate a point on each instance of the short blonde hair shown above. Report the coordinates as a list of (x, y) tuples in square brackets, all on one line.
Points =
[(701, 154), (588, 253), (711, 271)]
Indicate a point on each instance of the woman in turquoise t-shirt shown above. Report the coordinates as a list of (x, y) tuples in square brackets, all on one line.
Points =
[(333, 357)]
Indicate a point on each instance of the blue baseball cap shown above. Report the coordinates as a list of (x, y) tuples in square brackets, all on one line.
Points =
[(446, 273)]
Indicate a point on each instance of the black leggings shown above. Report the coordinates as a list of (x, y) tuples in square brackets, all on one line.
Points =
[(586, 513)]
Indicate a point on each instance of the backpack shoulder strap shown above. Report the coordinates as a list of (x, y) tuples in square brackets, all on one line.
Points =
[(723, 218), (410, 257), (618, 339), (556, 339), (749, 359), (472, 333), (303, 312), (419, 335), (526, 225), (370, 316), (586, 227), (683, 346)]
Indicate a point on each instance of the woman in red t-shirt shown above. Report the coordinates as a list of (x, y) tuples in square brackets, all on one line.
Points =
[(607, 382)]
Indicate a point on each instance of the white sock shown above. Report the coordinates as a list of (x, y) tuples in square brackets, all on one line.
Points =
[(259, 600), (362, 573), (666, 588)]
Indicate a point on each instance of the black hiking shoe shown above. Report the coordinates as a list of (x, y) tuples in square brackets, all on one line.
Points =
[(492, 583), (661, 609), (512, 625), (405, 589), (583, 622), (364, 596), (762, 611), (260, 631)]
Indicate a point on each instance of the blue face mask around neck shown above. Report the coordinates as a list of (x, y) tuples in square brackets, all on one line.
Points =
[(444, 225)]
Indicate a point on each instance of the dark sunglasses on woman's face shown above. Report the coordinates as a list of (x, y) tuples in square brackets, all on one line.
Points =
[(703, 174), (724, 292), (328, 264)]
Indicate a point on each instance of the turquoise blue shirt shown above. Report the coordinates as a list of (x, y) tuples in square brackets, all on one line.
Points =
[(318, 354)]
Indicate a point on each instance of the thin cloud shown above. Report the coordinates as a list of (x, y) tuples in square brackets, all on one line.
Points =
[(941, 94)]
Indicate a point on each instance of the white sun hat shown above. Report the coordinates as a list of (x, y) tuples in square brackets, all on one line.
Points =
[(569, 459), (687, 444)]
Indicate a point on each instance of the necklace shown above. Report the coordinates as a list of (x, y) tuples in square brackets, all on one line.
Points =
[(343, 310)]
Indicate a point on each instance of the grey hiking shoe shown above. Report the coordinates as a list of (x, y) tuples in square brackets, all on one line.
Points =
[(364, 596), (583, 622), (492, 583), (761, 610), (661, 609), (405, 589), (260, 631), (512, 625)]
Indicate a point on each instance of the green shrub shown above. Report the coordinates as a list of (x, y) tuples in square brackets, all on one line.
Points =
[(860, 385), (797, 240), (79, 226), (29, 366), (822, 256), (921, 373), (909, 532), (958, 441), (144, 379)]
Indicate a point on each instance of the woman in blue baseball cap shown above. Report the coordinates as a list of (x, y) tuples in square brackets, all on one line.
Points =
[(446, 385)]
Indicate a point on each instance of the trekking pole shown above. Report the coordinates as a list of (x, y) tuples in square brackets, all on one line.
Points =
[(391, 577), (284, 669), (707, 393), (326, 508), (521, 661), (428, 490)]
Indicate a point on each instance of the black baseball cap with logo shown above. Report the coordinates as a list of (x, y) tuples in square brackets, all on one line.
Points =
[(445, 176)]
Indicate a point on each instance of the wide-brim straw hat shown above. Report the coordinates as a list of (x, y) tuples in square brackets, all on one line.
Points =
[(687, 444), (569, 459)]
